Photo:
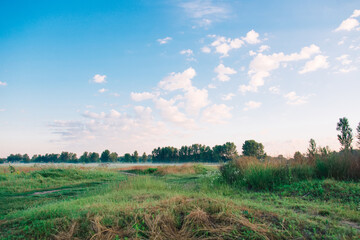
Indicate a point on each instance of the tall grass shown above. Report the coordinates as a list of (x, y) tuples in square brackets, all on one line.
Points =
[(266, 175)]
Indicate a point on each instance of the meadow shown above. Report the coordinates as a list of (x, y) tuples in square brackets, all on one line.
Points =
[(191, 201)]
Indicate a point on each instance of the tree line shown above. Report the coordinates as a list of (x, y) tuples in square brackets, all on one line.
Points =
[(192, 153)]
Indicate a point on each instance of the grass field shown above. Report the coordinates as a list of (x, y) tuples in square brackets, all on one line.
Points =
[(186, 202)]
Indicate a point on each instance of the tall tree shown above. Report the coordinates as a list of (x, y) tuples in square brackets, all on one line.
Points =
[(254, 149), (94, 157), (113, 157), (312, 150), (105, 156), (135, 157), (127, 157), (144, 157), (345, 137), (84, 158)]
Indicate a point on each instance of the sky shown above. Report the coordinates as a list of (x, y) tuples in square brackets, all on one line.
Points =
[(134, 75)]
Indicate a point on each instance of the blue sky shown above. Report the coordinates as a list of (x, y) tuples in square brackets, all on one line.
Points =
[(134, 75)]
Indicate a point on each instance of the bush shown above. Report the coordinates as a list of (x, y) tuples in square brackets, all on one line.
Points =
[(257, 175)]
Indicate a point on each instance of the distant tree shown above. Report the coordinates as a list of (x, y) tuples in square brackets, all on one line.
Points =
[(312, 150), (135, 157), (94, 157), (225, 152), (127, 157), (298, 157), (105, 156), (358, 134), (324, 151), (84, 158), (345, 137), (144, 157), (26, 158), (113, 157), (254, 149)]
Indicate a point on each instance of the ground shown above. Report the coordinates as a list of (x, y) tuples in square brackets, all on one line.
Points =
[(186, 202)]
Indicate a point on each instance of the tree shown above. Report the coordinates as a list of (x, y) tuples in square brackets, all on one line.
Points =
[(127, 157), (144, 157), (312, 150), (345, 137), (113, 157), (105, 156), (298, 157), (254, 149), (358, 133), (84, 158), (135, 157), (94, 157)]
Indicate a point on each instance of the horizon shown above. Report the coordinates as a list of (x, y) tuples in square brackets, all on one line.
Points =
[(129, 76)]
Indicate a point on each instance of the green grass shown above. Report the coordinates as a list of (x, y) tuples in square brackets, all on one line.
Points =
[(111, 205)]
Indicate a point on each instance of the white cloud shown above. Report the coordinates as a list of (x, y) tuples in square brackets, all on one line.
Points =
[(102, 90), (3, 83), (178, 80), (263, 48), (211, 86), (350, 23), (204, 12), (217, 113), (137, 97), (223, 45), (187, 52), (164, 40), (319, 62), (114, 114), (196, 99), (252, 53), (252, 37), (347, 69), (99, 78), (171, 113), (2, 109), (356, 13), (344, 59), (251, 105), (115, 94), (261, 66), (228, 97), (93, 115), (223, 72), (293, 99), (206, 49), (274, 89)]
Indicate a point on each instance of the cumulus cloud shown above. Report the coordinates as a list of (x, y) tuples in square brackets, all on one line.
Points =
[(344, 59), (252, 37), (263, 48), (205, 49), (228, 97), (196, 99), (223, 72), (3, 84), (99, 78), (274, 89), (347, 69), (102, 90), (138, 97), (205, 12), (164, 40), (251, 105), (262, 65), (171, 113), (187, 52), (293, 99), (350, 23), (217, 113), (319, 62), (178, 80)]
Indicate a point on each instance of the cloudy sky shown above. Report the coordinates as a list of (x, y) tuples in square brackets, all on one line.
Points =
[(134, 75)]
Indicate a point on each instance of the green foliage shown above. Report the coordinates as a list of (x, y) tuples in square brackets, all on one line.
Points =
[(252, 148), (358, 134), (105, 156), (345, 137)]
